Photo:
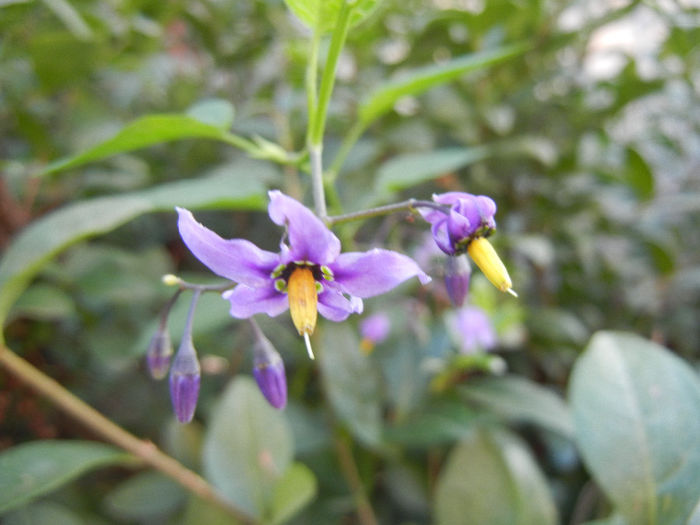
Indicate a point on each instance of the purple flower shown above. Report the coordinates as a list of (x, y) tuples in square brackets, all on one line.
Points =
[(374, 330), (469, 216), (457, 275), (184, 381), (474, 330), (308, 275)]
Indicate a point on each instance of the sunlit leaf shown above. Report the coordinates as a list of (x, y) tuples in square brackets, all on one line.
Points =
[(636, 411), (31, 470), (492, 478), (322, 14), (419, 80)]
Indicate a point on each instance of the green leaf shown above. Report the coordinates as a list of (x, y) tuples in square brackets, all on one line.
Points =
[(41, 512), (45, 302), (293, 491), (410, 169), (419, 80), (33, 469), (636, 407), (143, 132), (234, 187), (519, 399), (146, 497), (213, 111), (321, 15), (247, 448), (352, 382), (492, 478), (638, 175)]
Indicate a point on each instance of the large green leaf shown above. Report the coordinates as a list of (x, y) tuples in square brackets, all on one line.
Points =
[(352, 382), (521, 400), (636, 410), (419, 80), (292, 492), (410, 169), (156, 129), (247, 448), (30, 470), (492, 478), (322, 14), (146, 497), (237, 186)]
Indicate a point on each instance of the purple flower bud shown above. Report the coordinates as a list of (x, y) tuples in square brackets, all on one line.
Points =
[(457, 273), (474, 329), (159, 353), (269, 372), (184, 381), (375, 328)]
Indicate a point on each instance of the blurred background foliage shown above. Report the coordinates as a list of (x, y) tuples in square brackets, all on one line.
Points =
[(588, 141)]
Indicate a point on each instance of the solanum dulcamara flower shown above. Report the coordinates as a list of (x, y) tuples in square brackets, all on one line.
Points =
[(463, 227), (308, 275)]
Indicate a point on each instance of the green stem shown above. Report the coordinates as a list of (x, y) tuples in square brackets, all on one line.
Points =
[(240, 142), (315, 158), (109, 431), (365, 513), (311, 80), (348, 143), (340, 33), (409, 205)]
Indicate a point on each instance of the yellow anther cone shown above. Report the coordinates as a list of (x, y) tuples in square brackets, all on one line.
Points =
[(486, 258)]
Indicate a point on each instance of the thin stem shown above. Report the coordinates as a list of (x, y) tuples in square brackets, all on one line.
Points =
[(174, 280), (311, 80), (315, 154), (187, 332), (165, 312), (246, 145), (109, 431), (348, 143), (340, 33), (365, 512), (409, 205)]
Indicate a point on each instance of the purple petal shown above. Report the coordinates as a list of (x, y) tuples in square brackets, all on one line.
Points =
[(376, 327), (236, 259), (374, 272), (309, 239), (460, 227), (439, 231), (334, 306), (246, 301), (475, 330), (457, 276)]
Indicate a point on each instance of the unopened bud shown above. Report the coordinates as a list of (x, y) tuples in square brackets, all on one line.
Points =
[(486, 258), (159, 353), (457, 274), (184, 381), (269, 372)]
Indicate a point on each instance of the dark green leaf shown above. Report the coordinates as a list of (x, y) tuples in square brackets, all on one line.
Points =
[(44, 301), (492, 478), (352, 382), (247, 448), (417, 81), (638, 175), (31, 470), (636, 408)]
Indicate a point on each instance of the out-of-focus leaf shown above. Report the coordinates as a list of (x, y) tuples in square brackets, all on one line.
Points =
[(47, 236), (70, 17), (322, 14), (31, 470), (410, 169), (636, 410), (612, 520), (40, 512), (352, 382), (213, 111), (293, 491), (638, 175), (44, 301), (437, 423), (492, 478), (419, 80), (143, 132), (199, 511), (145, 497), (520, 399), (247, 448)]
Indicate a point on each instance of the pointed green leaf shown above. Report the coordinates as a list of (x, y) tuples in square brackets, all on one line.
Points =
[(636, 410), (491, 477), (247, 448), (213, 111), (419, 80), (638, 175), (321, 15), (32, 469)]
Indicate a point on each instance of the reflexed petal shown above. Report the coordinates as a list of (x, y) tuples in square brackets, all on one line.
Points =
[(374, 272), (439, 231), (460, 227), (334, 306), (236, 259), (246, 301), (309, 239)]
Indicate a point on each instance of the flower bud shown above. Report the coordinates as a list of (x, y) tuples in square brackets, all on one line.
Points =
[(184, 381), (159, 352), (486, 258), (457, 274), (269, 372)]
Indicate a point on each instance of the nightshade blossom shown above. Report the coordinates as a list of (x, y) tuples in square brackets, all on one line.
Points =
[(308, 275), (374, 329), (463, 227), (473, 329)]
